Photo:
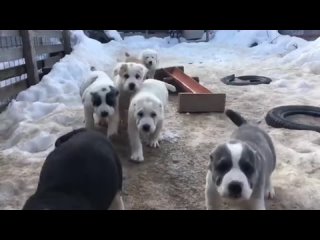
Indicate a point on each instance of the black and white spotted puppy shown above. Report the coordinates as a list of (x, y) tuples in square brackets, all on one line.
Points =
[(100, 96), (240, 170)]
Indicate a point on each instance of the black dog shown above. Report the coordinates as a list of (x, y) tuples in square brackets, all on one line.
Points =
[(82, 172)]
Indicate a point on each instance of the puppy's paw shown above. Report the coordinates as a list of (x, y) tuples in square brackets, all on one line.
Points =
[(137, 157), (270, 193), (154, 143)]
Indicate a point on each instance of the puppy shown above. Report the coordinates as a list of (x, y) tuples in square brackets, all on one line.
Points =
[(240, 170), (83, 172), (128, 79), (100, 97), (149, 58), (146, 115)]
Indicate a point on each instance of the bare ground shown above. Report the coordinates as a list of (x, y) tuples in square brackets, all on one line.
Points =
[(173, 177)]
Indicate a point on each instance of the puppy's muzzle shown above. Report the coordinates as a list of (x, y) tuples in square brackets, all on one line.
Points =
[(104, 114), (146, 127), (235, 189), (132, 86), (150, 63)]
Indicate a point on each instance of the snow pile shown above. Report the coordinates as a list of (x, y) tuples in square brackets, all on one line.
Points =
[(308, 58), (58, 92), (113, 34), (266, 42)]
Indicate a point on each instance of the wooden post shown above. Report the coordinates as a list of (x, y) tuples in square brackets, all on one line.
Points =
[(207, 35), (29, 55), (66, 41)]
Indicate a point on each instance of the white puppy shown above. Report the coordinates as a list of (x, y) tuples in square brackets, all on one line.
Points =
[(100, 97), (150, 59), (128, 79), (146, 115)]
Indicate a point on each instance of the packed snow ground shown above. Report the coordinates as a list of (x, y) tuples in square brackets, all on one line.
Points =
[(42, 113)]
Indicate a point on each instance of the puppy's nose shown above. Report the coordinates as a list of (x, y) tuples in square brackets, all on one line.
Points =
[(235, 189), (150, 62), (132, 86), (146, 127), (104, 114)]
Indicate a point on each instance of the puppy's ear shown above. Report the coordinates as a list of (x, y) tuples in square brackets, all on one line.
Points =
[(114, 90), (120, 68), (123, 69), (67, 136)]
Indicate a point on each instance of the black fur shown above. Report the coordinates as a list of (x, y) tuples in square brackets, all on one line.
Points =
[(83, 172), (111, 96), (235, 117), (96, 100)]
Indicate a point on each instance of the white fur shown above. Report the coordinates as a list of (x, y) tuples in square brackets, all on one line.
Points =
[(117, 202), (147, 108), (214, 194), (126, 74), (94, 84), (235, 174), (150, 59)]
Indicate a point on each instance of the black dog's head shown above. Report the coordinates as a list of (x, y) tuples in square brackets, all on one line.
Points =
[(67, 136)]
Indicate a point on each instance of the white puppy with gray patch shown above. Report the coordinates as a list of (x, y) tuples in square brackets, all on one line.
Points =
[(100, 97), (128, 79), (146, 115), (240, 170)]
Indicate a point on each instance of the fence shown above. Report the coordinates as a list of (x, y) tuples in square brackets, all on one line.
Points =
[(25, 56)]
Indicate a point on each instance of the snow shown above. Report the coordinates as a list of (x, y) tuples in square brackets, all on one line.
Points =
[(42, 113), (113, 34)]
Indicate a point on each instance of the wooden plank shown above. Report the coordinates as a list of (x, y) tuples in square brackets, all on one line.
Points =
[(10, 91), (9, 54), (47, 33), (12, 72), (49, 49), (66, 41), (201, 103), (30, 57), (161, 73), (9, 33)]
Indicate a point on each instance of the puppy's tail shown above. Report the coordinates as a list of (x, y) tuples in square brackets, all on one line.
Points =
[(235, 117), (170, 87)]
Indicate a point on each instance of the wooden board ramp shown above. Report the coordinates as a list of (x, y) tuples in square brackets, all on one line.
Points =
[(193, 97)]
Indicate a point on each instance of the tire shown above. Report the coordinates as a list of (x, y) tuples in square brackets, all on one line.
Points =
[(277, 117), (247, 80)]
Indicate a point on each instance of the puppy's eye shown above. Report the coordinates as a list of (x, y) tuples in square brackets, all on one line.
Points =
[(140, 114), (224, 166), (153, 115), (246, 168), (126, 76), (137, 76)]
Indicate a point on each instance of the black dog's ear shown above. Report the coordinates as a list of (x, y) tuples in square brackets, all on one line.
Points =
[(67, 136)]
